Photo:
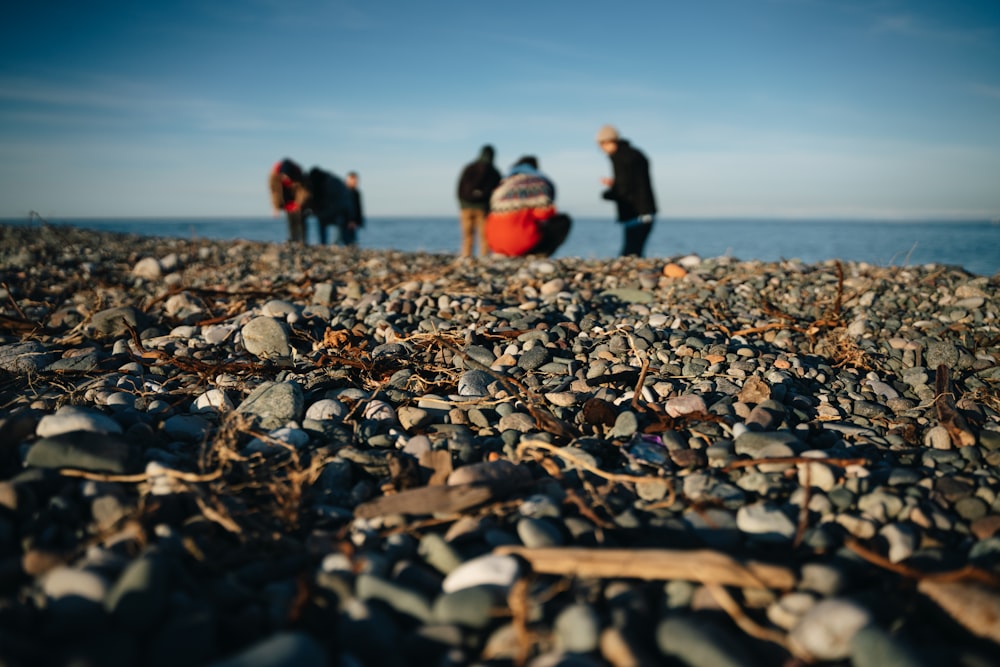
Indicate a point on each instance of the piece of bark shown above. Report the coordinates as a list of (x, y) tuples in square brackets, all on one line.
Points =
[(975, 606), (702, 565), (948, 414), (426, 500)]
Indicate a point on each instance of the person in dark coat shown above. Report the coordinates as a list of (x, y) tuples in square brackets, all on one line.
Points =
[(333, 205), (475, 186), (630, 188)]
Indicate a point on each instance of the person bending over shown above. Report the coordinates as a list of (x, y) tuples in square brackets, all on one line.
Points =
[(289, 193)]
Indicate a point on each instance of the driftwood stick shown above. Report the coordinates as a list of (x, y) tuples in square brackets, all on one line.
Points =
[(702, 565), (426, 500)]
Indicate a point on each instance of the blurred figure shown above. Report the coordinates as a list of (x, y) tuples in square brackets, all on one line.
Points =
[(289, 193), (332, 204), (523, 219), (475, 185), (630, 188), (358, 219)]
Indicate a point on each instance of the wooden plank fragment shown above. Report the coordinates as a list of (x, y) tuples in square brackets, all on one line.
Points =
[(702, 565), (426, 500)]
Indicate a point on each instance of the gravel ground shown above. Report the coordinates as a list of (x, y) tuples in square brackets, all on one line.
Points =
[(235, 453)]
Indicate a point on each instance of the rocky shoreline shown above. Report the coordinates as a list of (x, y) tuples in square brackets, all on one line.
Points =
[(235, 453)]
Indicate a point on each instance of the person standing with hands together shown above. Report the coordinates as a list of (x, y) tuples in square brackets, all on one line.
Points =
[(630, 188)]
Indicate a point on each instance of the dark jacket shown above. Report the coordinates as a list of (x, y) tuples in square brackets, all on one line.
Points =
[(356, 204), (478, 181), (632, 190), (331, 202)]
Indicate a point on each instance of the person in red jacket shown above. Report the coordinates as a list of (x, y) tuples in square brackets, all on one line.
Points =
[(290, 194), (523, 219)]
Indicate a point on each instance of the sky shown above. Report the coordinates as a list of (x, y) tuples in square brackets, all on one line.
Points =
[(874, 109)]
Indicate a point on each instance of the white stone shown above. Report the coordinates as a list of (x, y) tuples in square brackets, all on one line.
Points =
[(690, 261), (902, 540), (787, 611), (937, 438), (217, 333), (826, 630), (71, 418), (148, 268), (326, 409), (279, 309), (765, 521), (66, 581), (685, 405), (882, 389), (819, 476), (380, 411), (858, 526), (213, 400), (488, 570), (857, 328)]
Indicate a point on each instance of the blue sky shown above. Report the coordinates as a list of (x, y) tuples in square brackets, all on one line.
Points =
[(786, 108)]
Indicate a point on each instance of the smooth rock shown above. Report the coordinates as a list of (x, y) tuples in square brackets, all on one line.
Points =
[(765, 522), (274, 403), (487, 570), (577, 629), (71, 418), (698, 644), (282, 649), (85, 450), (827, 630), (266, 337)]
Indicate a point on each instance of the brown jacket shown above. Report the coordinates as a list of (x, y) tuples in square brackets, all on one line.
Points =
[(285, 193)]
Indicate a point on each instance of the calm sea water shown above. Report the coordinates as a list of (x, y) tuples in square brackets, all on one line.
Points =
[(974, 246)]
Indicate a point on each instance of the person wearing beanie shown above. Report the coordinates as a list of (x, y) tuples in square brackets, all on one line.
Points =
[(475, 185), (631, 189), (523, 219), (289, 193)]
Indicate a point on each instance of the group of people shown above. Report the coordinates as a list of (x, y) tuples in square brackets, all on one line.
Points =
[(333, 201), (516, 215)]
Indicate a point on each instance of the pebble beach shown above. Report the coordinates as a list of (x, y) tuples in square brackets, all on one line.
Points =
[(246, 454)]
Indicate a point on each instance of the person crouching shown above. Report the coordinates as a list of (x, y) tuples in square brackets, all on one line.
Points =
[(523, 219)]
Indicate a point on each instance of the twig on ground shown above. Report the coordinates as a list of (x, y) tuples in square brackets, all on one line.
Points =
[(701, 565)]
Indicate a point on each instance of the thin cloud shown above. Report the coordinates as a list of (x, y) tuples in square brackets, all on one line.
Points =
[(909, 25), (66, 104), (986, 90)]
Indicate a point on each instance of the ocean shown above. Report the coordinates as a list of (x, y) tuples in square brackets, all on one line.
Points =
[(975, 246)]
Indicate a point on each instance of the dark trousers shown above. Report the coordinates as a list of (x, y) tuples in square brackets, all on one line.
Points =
[(346, 234), (554, 232), (296, 227), (636, 234)]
